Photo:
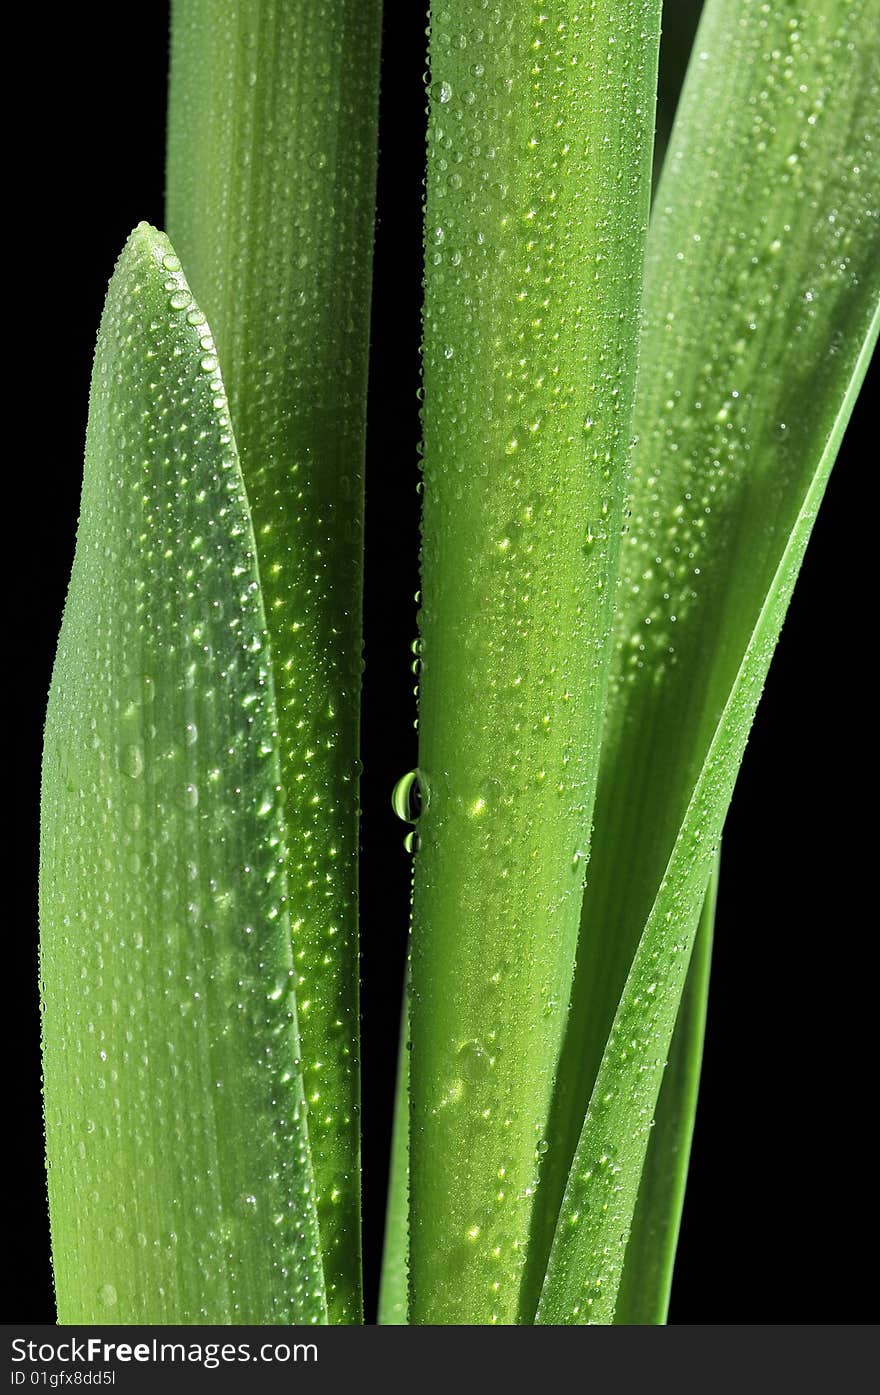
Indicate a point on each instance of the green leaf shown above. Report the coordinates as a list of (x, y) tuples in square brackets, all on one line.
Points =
[(762, 282), (538, 184), (393, 1301), (271, 178), (180, 1183), (646, 1282)]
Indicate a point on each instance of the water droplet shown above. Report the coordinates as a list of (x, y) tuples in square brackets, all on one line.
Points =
[(406, 797), (132, 761), (107, 1295), (139, 689), (475, 1060)]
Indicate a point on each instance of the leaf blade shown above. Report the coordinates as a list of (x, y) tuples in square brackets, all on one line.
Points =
[(533, 269), (271, 183), (179, 1172), (394, 1279), (761, 281), (646, 1281), (582, 1277)]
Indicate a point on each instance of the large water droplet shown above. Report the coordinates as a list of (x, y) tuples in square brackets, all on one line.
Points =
[(132, 761), (475, 1059), (406, 797)]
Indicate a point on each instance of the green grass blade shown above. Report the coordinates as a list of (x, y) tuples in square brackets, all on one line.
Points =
[(393, 1299), (586, 1260), (180, 1183), (760, 284), (646, 1282), (538, 184), (271, 176)]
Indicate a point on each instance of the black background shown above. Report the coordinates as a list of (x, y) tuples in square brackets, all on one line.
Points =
[(775, 1225)]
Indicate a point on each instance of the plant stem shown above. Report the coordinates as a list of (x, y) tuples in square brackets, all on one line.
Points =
[(271, 180), (538, 183)]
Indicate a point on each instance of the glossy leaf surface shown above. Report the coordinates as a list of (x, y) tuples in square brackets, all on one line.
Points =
[(539, 157), (180, 1182), (762, 281), (271, 183)]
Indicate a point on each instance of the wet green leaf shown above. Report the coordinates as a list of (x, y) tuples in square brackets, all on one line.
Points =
[(180, 1181), (761, 293), (393, 1289), (539, 160), (271, 183), (650, 1251)]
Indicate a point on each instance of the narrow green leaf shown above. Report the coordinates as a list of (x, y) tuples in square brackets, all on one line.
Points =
[(761, 289), (271, 176), (538, 184), (650, 1252), (393, 1301), (587, 1255), (180, 1183)]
